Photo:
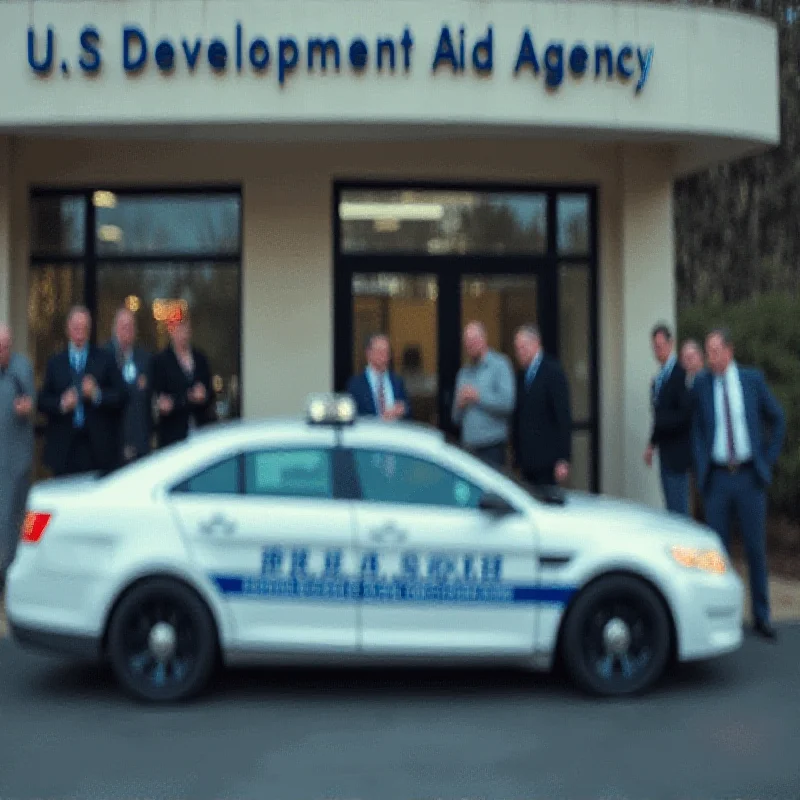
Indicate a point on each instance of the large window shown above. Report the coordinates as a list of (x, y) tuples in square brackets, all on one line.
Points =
[(159, 253)]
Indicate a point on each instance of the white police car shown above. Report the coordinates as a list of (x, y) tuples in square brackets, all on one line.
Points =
[(320, 540)]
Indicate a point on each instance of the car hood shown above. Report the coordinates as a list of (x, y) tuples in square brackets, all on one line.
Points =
[(616, 514)]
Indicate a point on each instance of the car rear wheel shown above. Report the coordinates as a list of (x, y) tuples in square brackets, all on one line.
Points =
[(162, 642), (617, 637)]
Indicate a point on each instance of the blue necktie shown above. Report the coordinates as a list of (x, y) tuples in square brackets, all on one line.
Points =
[(78, 366), (531, 373)]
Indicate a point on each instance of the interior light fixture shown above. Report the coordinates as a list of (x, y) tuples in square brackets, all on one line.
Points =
[(419, 212), (109, 233), (104, 199)]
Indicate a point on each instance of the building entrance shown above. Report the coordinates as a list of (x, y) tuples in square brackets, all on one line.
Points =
[(419, 263)]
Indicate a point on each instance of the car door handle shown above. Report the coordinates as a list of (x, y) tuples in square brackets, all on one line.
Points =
[(218, 524), (388, 534)]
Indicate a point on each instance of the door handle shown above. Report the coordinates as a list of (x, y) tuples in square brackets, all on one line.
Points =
[(218, 524), (388, 534)]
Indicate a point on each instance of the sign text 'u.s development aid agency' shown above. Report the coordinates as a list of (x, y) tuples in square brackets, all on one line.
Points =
[(455, 51)]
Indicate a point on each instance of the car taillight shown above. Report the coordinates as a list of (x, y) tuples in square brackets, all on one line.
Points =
[(34, 525)]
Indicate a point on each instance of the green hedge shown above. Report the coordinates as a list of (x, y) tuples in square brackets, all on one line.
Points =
[(766, 334)]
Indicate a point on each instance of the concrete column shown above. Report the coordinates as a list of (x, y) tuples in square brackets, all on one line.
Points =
[(5, 229), (648, 297)]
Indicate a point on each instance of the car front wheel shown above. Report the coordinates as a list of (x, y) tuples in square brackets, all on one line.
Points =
[(162, 642), (617, 637)]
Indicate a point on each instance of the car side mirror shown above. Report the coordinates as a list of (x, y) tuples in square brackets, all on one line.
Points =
[(496, 505)]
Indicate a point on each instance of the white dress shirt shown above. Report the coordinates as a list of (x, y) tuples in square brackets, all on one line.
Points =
[(388, 393), (741, 436)]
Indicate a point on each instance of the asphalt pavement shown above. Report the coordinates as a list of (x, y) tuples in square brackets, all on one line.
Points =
[(717, 731)]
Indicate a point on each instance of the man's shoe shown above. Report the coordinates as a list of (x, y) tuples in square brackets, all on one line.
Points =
[(765, 629)]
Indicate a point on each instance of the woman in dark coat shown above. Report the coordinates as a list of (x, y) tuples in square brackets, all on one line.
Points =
[(182, 387)]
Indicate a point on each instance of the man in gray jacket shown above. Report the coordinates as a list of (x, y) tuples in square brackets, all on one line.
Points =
[(17, 408), (484, 400)]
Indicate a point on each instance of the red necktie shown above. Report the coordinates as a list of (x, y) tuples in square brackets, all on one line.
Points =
[(381, 397), (728, 423)]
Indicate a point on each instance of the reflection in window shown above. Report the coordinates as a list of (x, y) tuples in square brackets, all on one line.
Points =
[(58, 225), (157, 292), (397, 478), (222, 478), (573, 224), (167, 224), (53, 290), (404, 308), (289, 473), (438, 222), (575, 337)]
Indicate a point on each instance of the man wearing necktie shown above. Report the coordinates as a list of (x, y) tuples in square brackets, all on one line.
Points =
[(542, 420), (378, 392), (672, 423), (738, 431), (691, 360), (82, 396)]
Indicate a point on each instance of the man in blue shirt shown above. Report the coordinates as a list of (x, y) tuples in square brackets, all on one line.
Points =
[(738, 430), (378, 392)]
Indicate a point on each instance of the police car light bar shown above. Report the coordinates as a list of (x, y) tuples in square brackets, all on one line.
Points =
[(331, 409)]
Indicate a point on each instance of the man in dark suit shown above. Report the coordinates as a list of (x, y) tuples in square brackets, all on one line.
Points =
[(82, 396), (542, 419), (672, 423), (738, 431), (378, 392), (134, 364)]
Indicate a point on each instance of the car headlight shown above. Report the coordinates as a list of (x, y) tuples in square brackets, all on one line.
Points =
[(705, 560)]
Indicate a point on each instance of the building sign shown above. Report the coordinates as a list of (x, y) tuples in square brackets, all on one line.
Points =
[(455, 52)]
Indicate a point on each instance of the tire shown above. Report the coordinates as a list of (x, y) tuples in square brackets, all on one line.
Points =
[(147, 676), (592, 665)]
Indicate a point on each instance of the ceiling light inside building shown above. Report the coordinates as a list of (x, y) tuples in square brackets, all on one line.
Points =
[(103, 199), (110, 233), (419, 212), (386, 225)]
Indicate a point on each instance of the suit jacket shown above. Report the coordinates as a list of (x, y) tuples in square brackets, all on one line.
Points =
[(170, 379), (16, 433), (542, 420), (359, 388), (102, 421), (137, 417), (760, 407), (672, 421)]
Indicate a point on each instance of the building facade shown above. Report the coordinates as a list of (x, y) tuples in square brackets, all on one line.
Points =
[(301, 175)]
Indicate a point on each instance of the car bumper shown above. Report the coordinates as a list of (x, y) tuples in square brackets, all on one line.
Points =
[(709, 616), (66, 644)]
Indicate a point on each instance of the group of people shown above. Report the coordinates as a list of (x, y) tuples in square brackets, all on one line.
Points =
[(524, 417), (717, 425), (103, 406)]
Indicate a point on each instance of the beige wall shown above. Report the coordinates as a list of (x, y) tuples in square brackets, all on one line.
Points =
[(288, 250)]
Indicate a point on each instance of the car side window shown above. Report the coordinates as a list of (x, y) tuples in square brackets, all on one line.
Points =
[(221, 478), (298, 472), (398, 478)]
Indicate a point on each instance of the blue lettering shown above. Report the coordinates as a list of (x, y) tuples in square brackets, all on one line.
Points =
[(445, 51), (407, 42), (90, 61), (193, 54), (410, 566), (491, 568), (370, 564), (470, 573), (271, 561), (133, 36), (288, 55), (46, 64), (333, 563), (645, 62), (578, 59), (483, 53), (358, 54), (603, 52), (554, 65), (461, 48), (299, 561), (318, 45), (624, 55), (217, 55), (238, 47), (527, 54), (164, 56), (259, 54), (385, 44), (441, 568)]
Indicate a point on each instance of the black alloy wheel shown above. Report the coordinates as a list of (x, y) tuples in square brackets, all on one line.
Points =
[(617, 637), (162, 642)]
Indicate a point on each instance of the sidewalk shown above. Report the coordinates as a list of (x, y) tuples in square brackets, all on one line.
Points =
[(784, 596)]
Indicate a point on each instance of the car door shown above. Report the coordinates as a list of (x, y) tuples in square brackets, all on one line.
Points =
[(439, 575), (270, 531)]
